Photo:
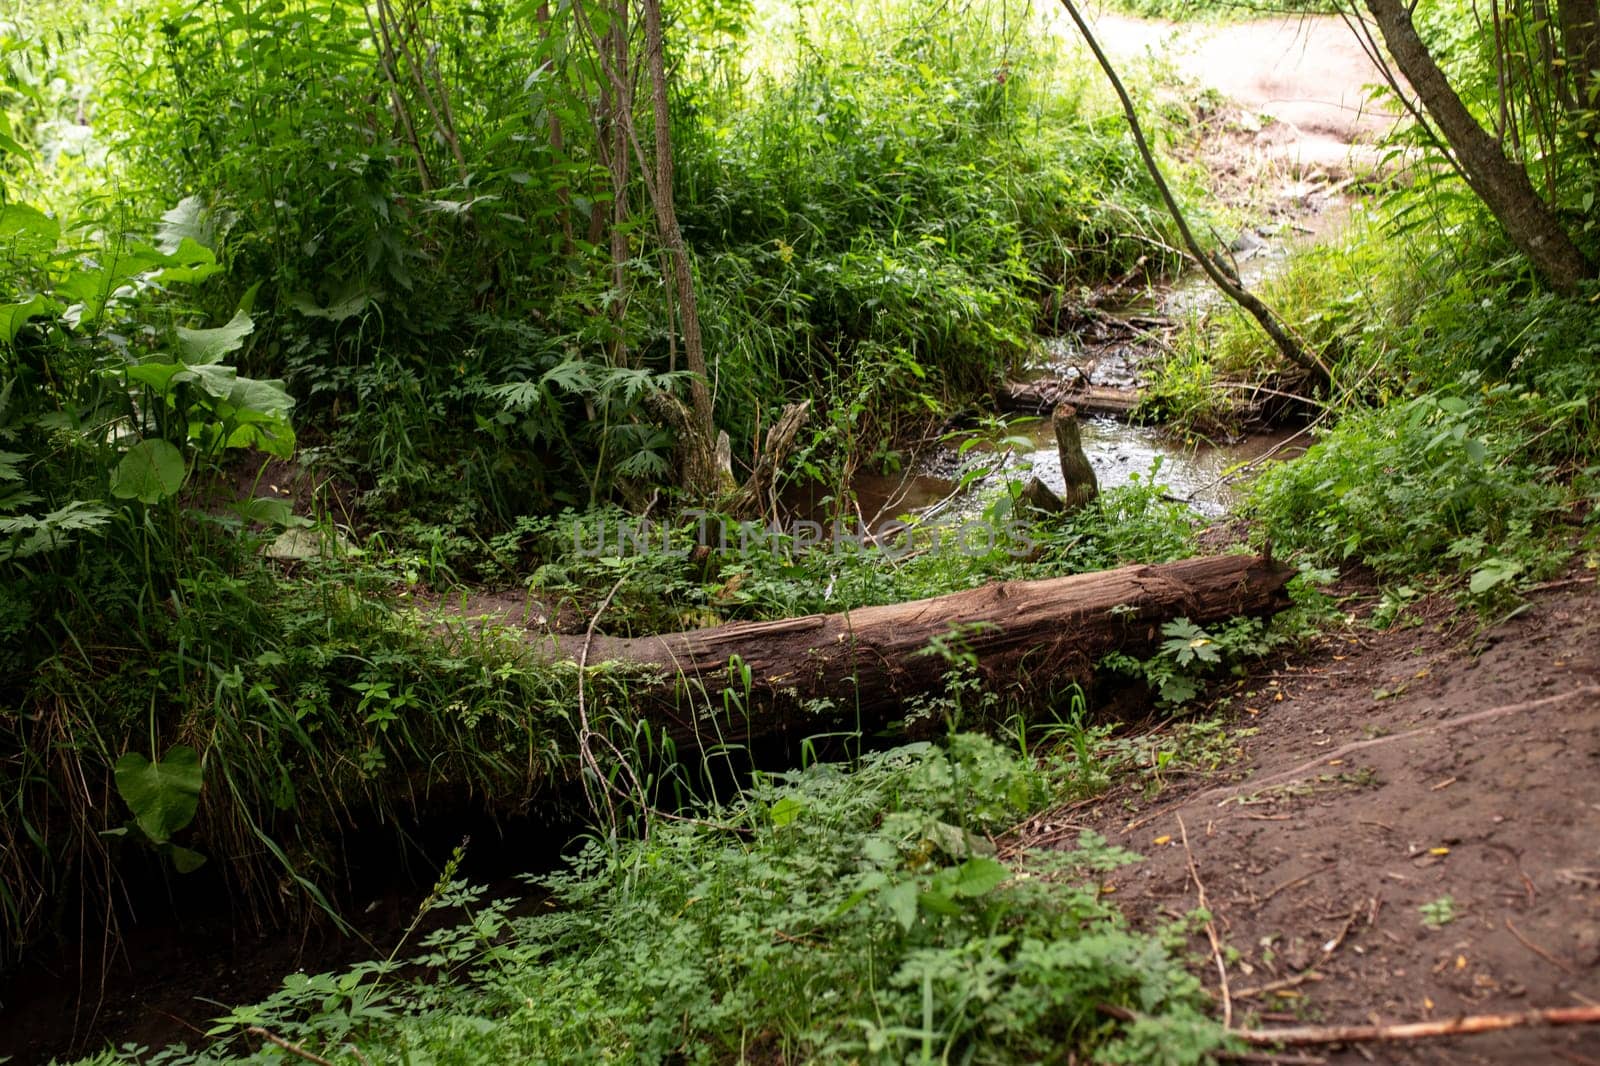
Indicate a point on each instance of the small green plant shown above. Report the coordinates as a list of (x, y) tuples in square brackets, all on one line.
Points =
[(1439, 912), (1189, 655)]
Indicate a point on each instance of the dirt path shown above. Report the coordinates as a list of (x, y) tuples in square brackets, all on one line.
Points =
[(1425, 772), (1300, 84)]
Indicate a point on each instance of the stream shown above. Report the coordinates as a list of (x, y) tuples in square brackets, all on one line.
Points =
[(1209, 476)]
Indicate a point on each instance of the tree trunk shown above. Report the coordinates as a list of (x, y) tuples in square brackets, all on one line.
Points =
[(700, 482), (1498, 181), (1580, 40), (862, 669)]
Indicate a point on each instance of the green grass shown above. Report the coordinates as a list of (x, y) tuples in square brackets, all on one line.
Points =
[(1458, 436)]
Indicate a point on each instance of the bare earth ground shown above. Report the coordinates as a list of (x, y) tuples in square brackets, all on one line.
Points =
[(1299, 84), (1382, 772)]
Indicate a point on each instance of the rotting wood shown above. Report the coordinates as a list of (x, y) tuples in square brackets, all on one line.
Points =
[(1043, 396), (865, 667), (1077, 474)]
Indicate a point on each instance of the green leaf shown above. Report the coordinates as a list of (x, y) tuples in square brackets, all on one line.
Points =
[(271, 511), (1492, 573), (939, 903), (979, 877), (161, 377), (150, 472), (192, 220), (184, 859), (901, 899), (785, 811), (204, 346), (27, 232), (346, 305), (163, 795), (14, 316)]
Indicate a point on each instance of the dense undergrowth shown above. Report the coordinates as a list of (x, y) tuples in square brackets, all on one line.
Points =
[(1459, 435), (229, 243), (825, 915)]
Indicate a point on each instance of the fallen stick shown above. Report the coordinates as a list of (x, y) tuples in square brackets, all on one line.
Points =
[(1211, 927), (1462, 1026)]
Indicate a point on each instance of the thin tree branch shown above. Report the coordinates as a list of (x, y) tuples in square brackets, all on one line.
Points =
[(1291, 348)]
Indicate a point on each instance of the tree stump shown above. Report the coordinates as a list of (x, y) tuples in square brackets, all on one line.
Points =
[(1076, 473)]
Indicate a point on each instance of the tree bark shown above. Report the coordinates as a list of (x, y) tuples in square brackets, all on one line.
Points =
[(870, 664), (1580, 40), (1498, 181), (698, 481), (1076, 472)]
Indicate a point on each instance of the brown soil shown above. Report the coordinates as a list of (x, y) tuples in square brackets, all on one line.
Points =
[(1381, 772), (1299, 86)]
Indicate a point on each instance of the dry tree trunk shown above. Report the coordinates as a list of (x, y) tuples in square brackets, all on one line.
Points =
[(1498, 181), (1076, 471)]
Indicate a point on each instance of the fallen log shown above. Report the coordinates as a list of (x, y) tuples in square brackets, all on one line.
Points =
[(1042, 396), (865, 668)]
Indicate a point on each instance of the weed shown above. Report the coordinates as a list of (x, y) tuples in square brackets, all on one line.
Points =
[(1438, 913)]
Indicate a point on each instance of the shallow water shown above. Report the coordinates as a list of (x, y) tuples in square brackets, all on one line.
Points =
[(1208, 477)]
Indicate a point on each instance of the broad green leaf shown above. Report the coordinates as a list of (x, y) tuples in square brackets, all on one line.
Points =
[(150, 472), (901, 899), (979, 877), (939, 903), (1493, 573), (271, 511), (27, 232), (163, 795), (14, 316), (785, 811), (192, 221), (161, 377), (275, 437), (340, 308), (207, 346)]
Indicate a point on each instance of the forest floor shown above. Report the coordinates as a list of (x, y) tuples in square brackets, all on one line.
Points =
[(1406, 831)]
